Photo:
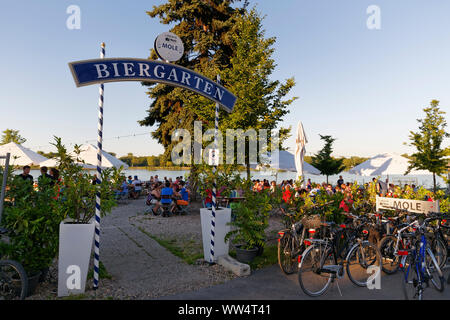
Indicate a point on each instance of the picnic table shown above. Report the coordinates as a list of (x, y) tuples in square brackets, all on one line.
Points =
[(225, 201)]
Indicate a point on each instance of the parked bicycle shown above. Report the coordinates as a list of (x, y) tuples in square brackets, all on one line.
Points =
[(391, 244), (326, 260), (291, 240), (13, 278), (419, 264)]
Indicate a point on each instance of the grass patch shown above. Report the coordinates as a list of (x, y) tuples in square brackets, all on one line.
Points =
[(103, 274), (268, 258), (188, 250)]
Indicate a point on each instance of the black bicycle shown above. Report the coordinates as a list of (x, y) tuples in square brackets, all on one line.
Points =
[(419, 264), (13, 278), (347, 248), (290, 244), (291, 241)]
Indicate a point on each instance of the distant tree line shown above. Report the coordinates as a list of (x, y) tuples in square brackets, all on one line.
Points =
[(159, 161), (348, 163), (146, 161)]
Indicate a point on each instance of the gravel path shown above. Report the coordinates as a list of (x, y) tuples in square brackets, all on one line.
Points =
[(139, 266)]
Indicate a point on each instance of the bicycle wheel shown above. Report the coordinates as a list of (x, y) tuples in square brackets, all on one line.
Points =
[(440, 251), (410, 281), (310, 278), (13, 281), (362, 260), (287, 257), (389, 260), (433, 271)]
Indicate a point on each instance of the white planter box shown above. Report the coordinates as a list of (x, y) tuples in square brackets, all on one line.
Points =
[(75, 247), (223, 217)]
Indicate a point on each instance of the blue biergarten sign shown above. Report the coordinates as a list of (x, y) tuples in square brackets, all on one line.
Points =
[(94, 71)]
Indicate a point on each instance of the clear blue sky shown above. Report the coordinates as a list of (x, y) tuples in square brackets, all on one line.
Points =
[(364, 87)]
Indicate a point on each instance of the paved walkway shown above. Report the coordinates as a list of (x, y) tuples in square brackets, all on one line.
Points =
[(272, 284), (140, 267)]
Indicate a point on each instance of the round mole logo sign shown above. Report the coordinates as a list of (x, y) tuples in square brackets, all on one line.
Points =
[(169, 47)]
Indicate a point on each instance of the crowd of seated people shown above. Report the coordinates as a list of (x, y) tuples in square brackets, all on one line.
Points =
[(130, 188), (289, 189), (171, 194)]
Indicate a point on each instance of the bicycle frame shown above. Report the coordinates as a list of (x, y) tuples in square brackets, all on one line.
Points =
[(399, 234), (336, 253), (295, 237), (418, 262)]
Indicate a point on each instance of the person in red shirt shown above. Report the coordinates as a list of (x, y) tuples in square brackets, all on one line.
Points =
[(346, 203), (287, 194), (208, 199)]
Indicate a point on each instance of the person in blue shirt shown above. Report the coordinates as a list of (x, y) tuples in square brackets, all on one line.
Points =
[(167, 195), (184, 192), (184, 195), (124, 189)]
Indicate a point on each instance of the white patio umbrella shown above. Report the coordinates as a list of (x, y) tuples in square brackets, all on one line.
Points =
[(21, 156), (284, 160), (89, 155), (54, 163), (300, 149), (385, 164)]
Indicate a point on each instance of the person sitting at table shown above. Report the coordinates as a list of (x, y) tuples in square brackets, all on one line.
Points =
[(154, 197), (176, 188), (167, 195), (184, 193), (123, 191), (273, 186), (137, 187)]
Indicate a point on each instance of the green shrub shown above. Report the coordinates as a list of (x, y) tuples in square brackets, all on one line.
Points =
[(252, 218)]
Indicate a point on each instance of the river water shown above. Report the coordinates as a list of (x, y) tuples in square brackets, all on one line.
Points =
[(419, 180)]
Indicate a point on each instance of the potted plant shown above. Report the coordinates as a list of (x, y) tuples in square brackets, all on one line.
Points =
[(33, 222), (250, 223), (76, 206)]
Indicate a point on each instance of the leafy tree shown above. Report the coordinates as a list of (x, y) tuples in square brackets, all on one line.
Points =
[(204, 28), (352, 161), (153, 161), (47, 154), (324, 162), (127, 160), (218, 39), (261, 102), (430, 155), (10, 135)]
